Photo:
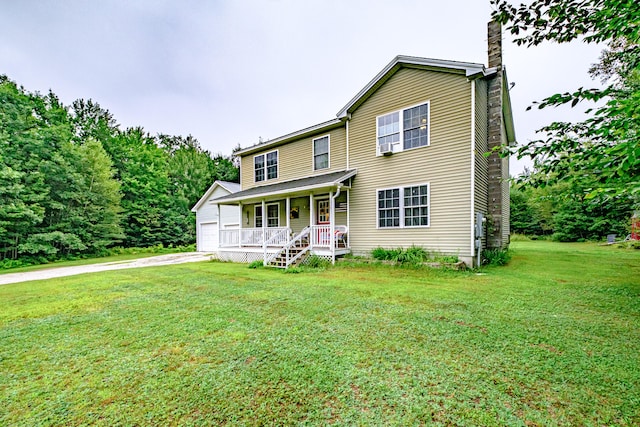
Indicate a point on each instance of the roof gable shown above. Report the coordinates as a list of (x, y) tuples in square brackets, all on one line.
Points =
[(466, 68), (228, 187)]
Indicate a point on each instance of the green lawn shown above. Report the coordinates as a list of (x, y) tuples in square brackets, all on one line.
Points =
[(551, 339)]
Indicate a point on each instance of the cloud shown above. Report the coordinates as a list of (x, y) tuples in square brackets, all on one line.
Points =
[(229, 72)]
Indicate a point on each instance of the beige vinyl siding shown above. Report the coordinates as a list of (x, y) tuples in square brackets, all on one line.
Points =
[(444, 164), (481, 180), (295, 159)]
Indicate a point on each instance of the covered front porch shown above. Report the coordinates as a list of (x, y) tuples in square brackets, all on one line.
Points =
[(282, 224)]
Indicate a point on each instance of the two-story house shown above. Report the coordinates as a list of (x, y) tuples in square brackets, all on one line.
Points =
[(402, 164)]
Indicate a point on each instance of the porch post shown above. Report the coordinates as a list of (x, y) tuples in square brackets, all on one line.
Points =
[(332, 227), (287, 210), (219, 221), (240, 225), (311, 215), (264, 231)]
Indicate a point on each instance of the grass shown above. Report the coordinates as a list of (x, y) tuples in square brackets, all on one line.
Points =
[(551, 339)]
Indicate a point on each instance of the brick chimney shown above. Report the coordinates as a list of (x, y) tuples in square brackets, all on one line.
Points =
[(495, 215)]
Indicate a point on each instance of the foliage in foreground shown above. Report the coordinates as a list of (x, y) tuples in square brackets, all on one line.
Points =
[(496, 257), (413, 255), (605, 148), (552, 339)]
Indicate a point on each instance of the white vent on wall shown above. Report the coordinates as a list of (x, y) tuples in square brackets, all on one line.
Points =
[(386, 148)]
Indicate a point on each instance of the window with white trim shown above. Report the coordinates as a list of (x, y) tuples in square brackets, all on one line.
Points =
[(404, 129), (416, 206), (403, 207), (389, 208), (273, 215), (258, 217), (265, 166), (321, 153), (258, 167), (272, 165)]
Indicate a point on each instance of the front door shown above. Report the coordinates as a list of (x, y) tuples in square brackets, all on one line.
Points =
[(323, 212), (323, 237)]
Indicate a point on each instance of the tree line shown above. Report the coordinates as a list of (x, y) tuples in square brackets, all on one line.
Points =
[(73, 183), (564, 212), (585, 181)]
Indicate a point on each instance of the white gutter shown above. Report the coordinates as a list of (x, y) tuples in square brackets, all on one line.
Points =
[(293, 135), (347, 129)]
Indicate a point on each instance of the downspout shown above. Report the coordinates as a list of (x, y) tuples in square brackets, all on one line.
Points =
[(473, 169), (332, 229), (347, 126)]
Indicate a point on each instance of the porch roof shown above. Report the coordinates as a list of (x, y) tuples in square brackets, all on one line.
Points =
[(288, 188)]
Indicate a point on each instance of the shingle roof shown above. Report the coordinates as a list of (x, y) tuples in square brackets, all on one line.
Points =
[(233, 187), (288, 187)]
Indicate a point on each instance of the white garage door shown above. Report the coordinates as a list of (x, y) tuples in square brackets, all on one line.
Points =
[(208, 237)]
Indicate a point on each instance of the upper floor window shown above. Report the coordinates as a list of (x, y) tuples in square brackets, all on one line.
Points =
[(404, 129), (321, 153), (258, 167), (265, 166)]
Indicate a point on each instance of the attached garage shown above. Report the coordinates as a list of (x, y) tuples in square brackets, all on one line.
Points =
[(207, 215), (208, 237)]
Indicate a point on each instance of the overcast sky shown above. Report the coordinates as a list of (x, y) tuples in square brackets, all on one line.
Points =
[(229, 72)]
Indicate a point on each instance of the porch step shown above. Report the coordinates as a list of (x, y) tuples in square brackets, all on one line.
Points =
[(280, 261)]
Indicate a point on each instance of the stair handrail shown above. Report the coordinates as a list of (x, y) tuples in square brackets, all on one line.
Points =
[(305, 231), (285, 230), (299, 255)]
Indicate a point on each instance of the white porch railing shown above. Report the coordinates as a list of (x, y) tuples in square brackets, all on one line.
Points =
[(274, 236), (321, 235)]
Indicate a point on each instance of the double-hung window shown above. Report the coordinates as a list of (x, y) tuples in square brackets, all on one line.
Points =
[(389, 208), (403, 207), (258, 216), (404, 129), (265, 166), (273, 215), (416, 206), (272, 165), (321, 153)]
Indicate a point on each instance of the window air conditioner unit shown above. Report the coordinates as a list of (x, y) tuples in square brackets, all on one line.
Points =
[(386, 148)]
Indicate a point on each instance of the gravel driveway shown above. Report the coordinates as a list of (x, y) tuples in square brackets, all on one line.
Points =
[(154, 261)]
